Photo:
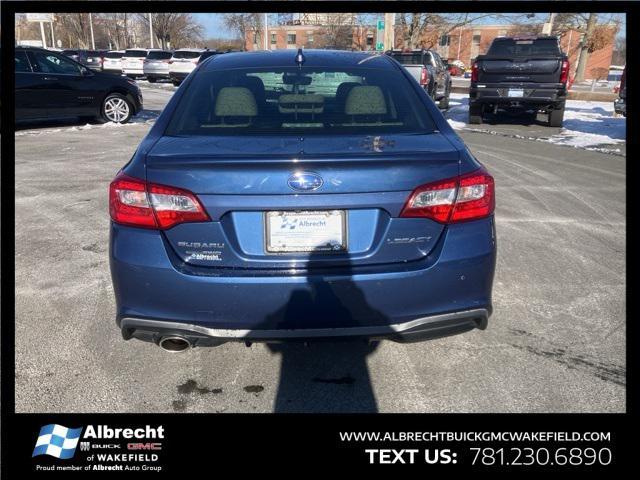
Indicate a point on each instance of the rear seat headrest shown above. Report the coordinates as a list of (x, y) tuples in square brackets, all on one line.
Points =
[(235, 102), (365, 100)]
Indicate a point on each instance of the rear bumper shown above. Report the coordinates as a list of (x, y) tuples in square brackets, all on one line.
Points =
[(448, 292), (620, 105), (545, 94), (178, 76), (156, 73), (420, 329)]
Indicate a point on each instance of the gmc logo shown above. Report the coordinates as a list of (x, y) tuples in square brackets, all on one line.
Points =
[(144, 446)]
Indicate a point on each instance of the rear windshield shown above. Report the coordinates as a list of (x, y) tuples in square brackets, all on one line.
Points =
[(412, 58), (511, 47), (113, 55), (93, 53), (159, 55), (186, 54), (289, 100), (135, 53)]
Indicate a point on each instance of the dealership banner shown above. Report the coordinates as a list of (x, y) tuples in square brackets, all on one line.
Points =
[(170, 445)]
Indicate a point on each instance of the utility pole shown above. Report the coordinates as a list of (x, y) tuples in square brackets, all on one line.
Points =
[(266, 26), (389, 21), (584, 47), (150, 30), (44, 40), (93, 42), (547, 28), (53, 38)]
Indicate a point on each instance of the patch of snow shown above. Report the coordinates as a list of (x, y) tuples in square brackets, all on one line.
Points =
[(586, 124)]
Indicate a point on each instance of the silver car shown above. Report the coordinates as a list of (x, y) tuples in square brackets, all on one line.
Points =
[(156, 65)]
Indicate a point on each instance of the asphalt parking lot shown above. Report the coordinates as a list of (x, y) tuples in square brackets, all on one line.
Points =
[(555, 343)]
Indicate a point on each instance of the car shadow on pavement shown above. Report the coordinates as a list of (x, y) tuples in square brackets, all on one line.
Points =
[(325, 375)]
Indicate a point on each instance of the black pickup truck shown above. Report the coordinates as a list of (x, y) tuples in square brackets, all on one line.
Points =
[(522, 73)]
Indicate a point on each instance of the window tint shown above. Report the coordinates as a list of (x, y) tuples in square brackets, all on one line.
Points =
[(93, 53), (289, 100), (159, 55), (113, 55), (135, 53), (50, 63), (186, 54), (511, 47), (21, 62)]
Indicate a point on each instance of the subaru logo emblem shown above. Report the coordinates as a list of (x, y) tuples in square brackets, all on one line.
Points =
[(305, 181)]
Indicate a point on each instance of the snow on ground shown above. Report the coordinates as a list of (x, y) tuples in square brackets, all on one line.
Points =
[(586, 124)]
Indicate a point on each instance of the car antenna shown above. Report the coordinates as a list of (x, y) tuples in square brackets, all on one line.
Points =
[(300, 58)]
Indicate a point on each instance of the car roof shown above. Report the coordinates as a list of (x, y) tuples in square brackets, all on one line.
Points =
[(313, 58), (190, 50)]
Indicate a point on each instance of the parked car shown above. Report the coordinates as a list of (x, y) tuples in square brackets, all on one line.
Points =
[(182, 64), (133, 62), (156, 65), (92, 59), (454, 70), (620, 103), (521, 73), (72, 54), (429, 70), (257, 209), (113, 61), (206, 54), (50, 85)]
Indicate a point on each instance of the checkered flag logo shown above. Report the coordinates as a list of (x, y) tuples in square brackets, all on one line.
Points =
[(57, 441)]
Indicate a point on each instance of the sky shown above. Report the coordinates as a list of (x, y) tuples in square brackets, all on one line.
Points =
[(214, 26)]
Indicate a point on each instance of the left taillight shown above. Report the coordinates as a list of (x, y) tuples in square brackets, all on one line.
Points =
[(468, 197), (424, 76), (137, 203)]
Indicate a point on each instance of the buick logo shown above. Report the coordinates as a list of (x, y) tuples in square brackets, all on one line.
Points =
[(305, 181)]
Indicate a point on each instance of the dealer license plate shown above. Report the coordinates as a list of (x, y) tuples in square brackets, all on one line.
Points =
[(306, 231), (516, 92)]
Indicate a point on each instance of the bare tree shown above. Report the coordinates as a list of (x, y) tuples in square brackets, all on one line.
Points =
[(243, 23), (338, 33), (424, 29), (176, 29), (594, 36)]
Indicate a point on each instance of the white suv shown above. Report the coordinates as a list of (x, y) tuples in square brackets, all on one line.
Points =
[(132, 62), (182, 63)]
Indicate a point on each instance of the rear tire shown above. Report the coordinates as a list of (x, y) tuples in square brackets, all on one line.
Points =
[(475, 114), (152, 79), (556, 117), (176, 83), (444, 101)]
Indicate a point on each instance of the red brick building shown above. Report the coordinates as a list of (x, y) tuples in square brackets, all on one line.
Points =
[(463, 43)]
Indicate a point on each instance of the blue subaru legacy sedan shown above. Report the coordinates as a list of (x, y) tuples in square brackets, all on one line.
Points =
[(291, 195)]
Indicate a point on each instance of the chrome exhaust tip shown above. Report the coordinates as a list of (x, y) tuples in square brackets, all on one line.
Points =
[(174, 344)]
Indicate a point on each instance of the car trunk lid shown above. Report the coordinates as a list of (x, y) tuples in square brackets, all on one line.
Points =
[(366, 178)]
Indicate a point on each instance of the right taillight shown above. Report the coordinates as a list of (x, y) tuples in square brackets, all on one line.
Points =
[(474, 72), (468, 197), (424, 76), (136, 203), (564, 72)]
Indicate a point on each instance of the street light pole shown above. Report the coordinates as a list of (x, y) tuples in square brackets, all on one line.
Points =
[(150, 30), (93, 42), (266, 26)]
